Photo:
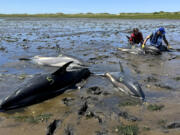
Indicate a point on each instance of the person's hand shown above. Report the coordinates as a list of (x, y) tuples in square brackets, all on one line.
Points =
[(169, 47)]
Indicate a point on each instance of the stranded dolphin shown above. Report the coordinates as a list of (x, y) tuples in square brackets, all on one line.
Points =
[(132, 50), (148, 49), (125, 84), (56, 61), (43, 87)]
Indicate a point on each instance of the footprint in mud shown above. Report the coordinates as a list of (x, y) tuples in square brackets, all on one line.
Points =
[(128, 117), (151, 79), (90, 114), (86, 54), (164, 86), (53, 126), (25, 40), (83, 108), (68, 100), (69, 130), (94, 90), (100, 57)]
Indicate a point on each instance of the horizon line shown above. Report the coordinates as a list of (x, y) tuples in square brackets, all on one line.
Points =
[(90, 13)]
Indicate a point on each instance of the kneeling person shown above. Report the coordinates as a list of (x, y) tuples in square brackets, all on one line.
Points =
[(156, 39), (136, 37)]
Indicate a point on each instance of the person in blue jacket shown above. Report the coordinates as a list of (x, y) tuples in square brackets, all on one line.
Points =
[(156, 39)]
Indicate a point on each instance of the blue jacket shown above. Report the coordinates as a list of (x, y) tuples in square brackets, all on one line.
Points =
[(155, 39)]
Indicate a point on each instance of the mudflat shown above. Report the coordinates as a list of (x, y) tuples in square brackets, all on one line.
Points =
[(97, 108)]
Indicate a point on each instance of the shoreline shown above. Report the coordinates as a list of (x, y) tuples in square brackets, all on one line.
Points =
[(155, 15)]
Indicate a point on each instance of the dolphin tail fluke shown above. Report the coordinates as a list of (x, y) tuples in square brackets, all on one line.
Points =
[(62, 69)]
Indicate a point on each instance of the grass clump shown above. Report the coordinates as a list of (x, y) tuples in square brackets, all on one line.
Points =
[(127, 130), (162, 123), (155, 107), (33, 119), (146, 128), (129, 103)]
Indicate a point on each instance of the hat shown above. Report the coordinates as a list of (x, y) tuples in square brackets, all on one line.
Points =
[(162, 30)]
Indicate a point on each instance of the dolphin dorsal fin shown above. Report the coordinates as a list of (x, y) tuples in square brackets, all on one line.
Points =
[(62, 69), (121, 67)]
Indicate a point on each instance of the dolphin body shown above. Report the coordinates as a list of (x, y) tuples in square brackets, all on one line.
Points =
[(125, 84), (148, 49), (56, 61), (43, 87), (135, 51)]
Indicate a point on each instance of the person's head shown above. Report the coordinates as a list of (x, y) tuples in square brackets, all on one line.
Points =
[(161, 31), (135, 31)]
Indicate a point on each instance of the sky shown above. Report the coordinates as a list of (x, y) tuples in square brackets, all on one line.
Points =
[(84, 6)]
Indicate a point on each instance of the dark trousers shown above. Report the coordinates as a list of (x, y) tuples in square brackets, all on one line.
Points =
[(162, 48)]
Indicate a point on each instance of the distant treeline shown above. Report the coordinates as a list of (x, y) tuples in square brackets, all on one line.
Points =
[(155, 15)]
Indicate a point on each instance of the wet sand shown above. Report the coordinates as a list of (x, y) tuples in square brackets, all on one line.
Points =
[(95, 41)]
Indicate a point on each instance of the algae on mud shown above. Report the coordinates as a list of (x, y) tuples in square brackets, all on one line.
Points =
[(127, 130), (32, 119), (155, 107)]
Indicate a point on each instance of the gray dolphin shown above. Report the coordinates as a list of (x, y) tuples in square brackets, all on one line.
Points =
[(125, 84), (56, 61), (136, 50), (148, 49), (43, 87)]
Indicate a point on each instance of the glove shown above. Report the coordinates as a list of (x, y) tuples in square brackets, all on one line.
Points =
[(169, 47), (133, 46), (143, 45)]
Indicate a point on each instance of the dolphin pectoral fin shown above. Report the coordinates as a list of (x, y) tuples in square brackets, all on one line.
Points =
[(62, 69)]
